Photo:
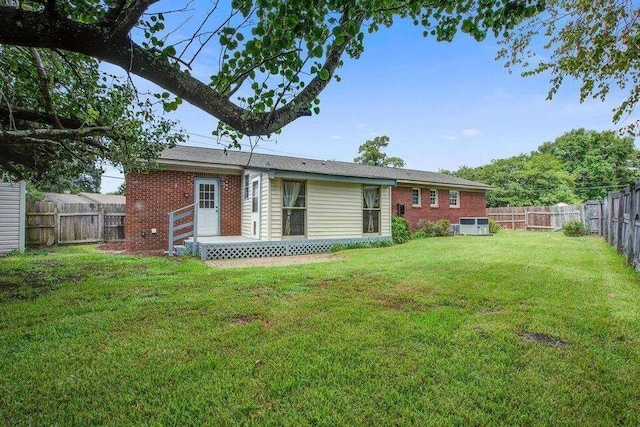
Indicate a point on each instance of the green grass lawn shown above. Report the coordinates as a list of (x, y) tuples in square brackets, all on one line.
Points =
[(518, 328)]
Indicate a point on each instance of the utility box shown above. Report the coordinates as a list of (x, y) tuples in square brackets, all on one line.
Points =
[(474, 226)]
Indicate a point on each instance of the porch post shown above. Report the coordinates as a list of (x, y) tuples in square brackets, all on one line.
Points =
[(170, 252), (195, 228)]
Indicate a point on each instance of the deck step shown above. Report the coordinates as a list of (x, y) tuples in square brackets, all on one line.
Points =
[(180, 250)]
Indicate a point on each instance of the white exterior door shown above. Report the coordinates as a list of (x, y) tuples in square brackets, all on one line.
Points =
[(208, 206), (255, 208)]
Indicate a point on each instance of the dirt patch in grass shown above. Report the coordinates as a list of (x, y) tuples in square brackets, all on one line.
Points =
[(540, 338), (35, 281), (245, 320), (400, 303), (111, 247), (277, 261)]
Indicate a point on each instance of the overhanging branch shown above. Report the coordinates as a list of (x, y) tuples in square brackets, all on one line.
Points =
[(56, 135), (38, 117), (34, 29)]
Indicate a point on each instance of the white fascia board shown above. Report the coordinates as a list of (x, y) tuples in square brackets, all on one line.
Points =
[(404, 183), (187, 166)]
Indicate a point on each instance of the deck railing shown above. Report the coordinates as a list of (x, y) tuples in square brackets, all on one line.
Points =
[(175, 225)]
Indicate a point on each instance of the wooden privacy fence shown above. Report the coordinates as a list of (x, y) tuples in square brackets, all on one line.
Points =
[(534, 217), (51, 223), (621, 222)]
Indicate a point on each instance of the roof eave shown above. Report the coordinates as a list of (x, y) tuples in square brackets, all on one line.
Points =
[(445, 185), (193, 166)]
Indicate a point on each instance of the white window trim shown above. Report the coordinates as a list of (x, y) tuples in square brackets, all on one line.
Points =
[(378, 210), (302, 208), (433, 205), (419, 190), (246, 187), (457, 205)]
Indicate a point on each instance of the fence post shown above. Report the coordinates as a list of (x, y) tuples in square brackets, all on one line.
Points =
[(620, 222), (630, 228), (56, 225), (601, 214), (170, 251)]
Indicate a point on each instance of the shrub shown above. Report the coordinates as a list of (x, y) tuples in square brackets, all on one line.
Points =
[(574, 229), (400, 230), (360, 245), (381, 243), (442, 227), (494, 227), (420, 234)]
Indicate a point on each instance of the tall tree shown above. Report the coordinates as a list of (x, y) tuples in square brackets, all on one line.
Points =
[(592, 42), (578, 166), (60, 118), (274, 57), (524, 180), (597, 161), (371, 153)]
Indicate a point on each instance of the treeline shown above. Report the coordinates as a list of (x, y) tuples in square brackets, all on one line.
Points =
[(580, 165)]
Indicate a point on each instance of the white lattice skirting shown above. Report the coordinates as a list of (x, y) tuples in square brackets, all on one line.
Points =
[(281, 248)]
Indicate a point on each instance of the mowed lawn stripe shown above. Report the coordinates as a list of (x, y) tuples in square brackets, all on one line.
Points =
[(517, 328)]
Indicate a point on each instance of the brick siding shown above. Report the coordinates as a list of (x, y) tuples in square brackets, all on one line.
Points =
[(151, 196), (471, 204)]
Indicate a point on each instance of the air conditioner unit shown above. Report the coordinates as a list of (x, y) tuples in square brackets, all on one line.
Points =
[(474, 226)]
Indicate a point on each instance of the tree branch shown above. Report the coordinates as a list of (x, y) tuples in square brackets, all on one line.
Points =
[(291, 111), (128, 16), (33, 29), (43, 84), (38, 117), (48, 135)]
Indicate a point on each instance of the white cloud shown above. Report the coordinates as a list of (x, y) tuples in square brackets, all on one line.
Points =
[(465, 133), (470, 132), (336, 137), (361, 125), (451, 136)]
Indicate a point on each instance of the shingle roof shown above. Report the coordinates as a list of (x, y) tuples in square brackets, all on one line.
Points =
[(211, 156), (84, 198), (104, 198)]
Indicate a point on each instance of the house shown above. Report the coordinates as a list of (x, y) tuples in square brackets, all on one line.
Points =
[(12, 216), (240, 204)]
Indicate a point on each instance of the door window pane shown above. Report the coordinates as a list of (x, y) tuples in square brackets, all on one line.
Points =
[(206, 196), (254, 196)]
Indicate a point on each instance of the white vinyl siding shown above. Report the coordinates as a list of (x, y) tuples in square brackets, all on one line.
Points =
[(245, 224), (12, 216), (275, 209), (334, 210), (265, 184), (385, 210)]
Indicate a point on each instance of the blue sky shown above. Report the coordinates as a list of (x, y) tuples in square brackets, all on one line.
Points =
[(443, 105)]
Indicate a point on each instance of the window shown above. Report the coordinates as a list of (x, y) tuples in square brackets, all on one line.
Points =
[(207, 196), (246, 187), (415, 196), (255, 190), (293, 208), (371, 209), (454, 199), (433, 198)]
